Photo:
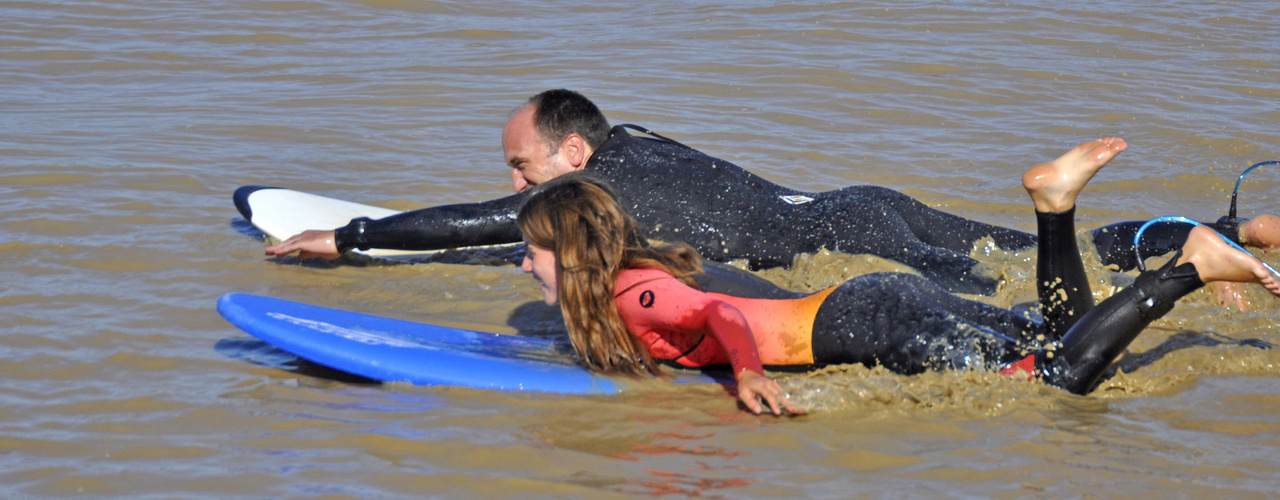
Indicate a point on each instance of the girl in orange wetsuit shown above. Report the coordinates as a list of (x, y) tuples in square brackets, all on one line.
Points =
[(627, 304)]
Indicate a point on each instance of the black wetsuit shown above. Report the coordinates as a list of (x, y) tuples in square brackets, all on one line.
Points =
[(728, 213), (909, 324)]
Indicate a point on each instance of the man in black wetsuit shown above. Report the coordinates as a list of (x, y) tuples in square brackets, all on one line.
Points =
[(722, 210)]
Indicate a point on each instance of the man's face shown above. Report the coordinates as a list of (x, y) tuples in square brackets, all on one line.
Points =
[(531, 161)]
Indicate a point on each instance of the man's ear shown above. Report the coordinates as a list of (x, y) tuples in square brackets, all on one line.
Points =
[(574, 149)]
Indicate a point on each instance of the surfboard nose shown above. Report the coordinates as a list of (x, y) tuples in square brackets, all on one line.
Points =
[(241, 199)]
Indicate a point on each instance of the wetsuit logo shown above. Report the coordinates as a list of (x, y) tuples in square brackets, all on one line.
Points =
[(646, 299), (796, 199)]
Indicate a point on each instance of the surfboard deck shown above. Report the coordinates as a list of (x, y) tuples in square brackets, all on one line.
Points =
[(281, 213), (392, 350)]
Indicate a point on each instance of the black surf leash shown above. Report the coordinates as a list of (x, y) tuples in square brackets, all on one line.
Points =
[(1230, 219)]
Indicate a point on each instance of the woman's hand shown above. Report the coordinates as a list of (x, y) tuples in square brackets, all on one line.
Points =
[(753, 386)]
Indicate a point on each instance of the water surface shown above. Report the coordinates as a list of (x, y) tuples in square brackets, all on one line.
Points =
[(125, 126)]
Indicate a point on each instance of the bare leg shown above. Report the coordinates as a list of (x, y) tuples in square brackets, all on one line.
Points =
[(1227, 293), (1262, 231), (1053, 186), (1097, 338), (1104, 332), (1215, 260), (1061, 282)]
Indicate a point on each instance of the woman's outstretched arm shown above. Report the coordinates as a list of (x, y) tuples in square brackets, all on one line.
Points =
[(667, 305)]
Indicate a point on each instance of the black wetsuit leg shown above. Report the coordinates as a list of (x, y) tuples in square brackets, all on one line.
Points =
[(938, 243), (1115, 242), (1089, 347), (940, 229), (884, 222), (909, 324), (1061, 281)]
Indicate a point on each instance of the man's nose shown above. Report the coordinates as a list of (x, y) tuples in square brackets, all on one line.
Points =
[(517, 181)]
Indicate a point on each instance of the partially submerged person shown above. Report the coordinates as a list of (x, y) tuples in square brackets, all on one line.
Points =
[(628, 305), (723, 211)]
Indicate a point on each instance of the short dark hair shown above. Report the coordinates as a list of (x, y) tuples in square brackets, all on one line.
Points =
[(559, 112)]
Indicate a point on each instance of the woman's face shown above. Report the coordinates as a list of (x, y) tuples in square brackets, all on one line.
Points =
[(542, 263)]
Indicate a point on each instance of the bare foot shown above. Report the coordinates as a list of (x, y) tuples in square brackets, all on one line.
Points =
[(1226, 294), (1053, 186), (1215, 260), (1262, 231)]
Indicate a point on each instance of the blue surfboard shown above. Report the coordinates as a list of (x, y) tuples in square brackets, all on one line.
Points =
[(392, 350)]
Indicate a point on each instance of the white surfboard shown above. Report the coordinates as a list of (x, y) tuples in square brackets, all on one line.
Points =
[(281, 213)]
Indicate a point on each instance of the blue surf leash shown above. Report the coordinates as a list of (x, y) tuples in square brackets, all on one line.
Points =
[(1176, 218)]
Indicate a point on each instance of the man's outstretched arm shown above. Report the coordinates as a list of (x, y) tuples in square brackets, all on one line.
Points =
[(450, 226)]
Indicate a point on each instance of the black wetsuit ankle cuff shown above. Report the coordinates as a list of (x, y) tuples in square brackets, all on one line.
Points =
[(1229, 227), (1068, 212), (1173, 270), (1186, 270)]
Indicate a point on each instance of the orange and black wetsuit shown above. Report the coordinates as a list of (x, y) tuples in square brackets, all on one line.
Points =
[(675, 321), (907, 323)]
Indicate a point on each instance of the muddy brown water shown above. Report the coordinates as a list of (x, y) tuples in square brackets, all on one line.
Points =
[(125, 126)]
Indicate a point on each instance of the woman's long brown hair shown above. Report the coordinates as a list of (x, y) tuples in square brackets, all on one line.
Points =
[(578, 217)]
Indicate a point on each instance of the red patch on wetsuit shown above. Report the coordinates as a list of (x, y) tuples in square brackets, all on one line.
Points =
[(1025, 365)]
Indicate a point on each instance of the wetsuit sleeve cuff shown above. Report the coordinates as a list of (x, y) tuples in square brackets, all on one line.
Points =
[(351, 236)]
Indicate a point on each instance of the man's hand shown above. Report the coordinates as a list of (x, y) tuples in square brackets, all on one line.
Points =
[(308, 244), (753, 386)]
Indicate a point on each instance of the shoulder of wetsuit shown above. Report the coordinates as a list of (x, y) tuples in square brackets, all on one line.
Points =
[(620, 134), (617, 141)]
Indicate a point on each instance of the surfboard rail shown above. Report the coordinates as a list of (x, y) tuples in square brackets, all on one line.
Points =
[(392, 350)]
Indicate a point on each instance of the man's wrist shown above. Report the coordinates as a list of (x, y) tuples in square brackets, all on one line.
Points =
[(351, 236)]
